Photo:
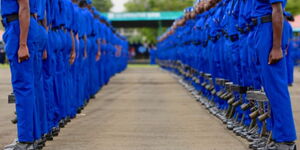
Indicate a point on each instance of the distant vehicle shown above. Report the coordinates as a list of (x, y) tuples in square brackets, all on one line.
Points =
[(2, 53)]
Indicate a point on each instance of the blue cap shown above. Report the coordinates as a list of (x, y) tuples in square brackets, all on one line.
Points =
[(94, 9), (89, 1), (192, 9), (186, 10), (196, 2), (189, 9)]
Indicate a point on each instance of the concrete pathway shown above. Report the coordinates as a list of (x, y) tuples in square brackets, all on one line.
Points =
[(141, 109)]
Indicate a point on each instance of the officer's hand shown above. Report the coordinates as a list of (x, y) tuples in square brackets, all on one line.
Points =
[(23, 53), (72, 57), (98, 56), (45, 55), (275, 56)]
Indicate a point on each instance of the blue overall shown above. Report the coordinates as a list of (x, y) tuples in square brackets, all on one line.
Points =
[(50, 65), (58, 34), (274, 77), (49, 68), (87, 60), (22, 74), (39, 78), (244, 29), (98, 36), (68, 12), (80, 79), (289, 57), (75, 67), (101, 62)]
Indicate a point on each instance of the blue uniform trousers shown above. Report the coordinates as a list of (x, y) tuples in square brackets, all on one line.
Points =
[(253, 67), (48, 77), (39, 93), (74, 73), (39, 81), (22, 76), (67, 73), (81, 73), (290, 65), (59, 76), (274, 79)]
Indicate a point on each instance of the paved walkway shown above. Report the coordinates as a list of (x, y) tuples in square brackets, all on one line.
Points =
[(141, 109)]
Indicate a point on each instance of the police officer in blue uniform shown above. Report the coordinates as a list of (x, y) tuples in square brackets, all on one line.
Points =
[(270, 48), (74, 59), (39, 78), (290, 49), (21, 38)]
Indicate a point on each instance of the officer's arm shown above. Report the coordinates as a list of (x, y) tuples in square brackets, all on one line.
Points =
[(277, 21), (44, 23), (73, 52), (24, 19), (98, 56)]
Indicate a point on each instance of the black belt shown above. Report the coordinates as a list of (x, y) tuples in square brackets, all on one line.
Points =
[(261, 20), (241, 30), (234, 37), (61, 27), (196, 43), (90, 36), (40, 22), (13, 17), (215, 38), (186, 43), (247, 28), (55, 28), (225, 33)]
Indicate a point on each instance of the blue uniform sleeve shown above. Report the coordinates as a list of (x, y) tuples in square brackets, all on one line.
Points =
[(70, 15), (276, 1), (75, 19), (41, 9), (49, 12), (62, 13)]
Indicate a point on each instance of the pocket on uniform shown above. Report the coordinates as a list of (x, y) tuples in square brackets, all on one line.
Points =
[(11, 39), (33, 48)]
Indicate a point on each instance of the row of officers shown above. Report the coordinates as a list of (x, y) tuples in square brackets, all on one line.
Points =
[(242, 42), (61, 52)]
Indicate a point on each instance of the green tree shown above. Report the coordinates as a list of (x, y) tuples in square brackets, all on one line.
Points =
[(103, 5), (157, 5), (151, 34), (293, 6)]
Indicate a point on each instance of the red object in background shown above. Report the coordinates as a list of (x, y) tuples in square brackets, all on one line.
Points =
[(132, 52), (296, 23)]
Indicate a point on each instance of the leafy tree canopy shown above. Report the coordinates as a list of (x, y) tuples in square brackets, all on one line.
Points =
[(293, 6), (103, 5)]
